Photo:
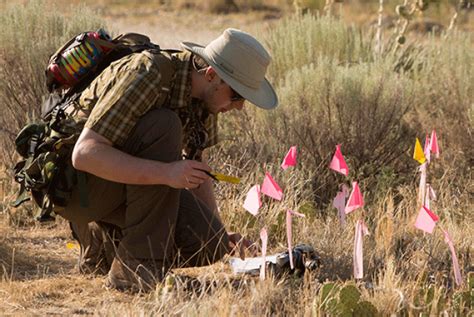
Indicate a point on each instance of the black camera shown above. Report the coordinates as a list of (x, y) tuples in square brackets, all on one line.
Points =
[(304, 258)]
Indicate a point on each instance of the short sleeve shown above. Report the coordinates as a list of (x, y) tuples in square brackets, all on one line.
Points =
[(121, 94)]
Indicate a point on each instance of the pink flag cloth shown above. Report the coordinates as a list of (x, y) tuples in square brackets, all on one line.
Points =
[(427, 149), (426, 220), (358, 256), (338, 163), (457, 271), (355, 199), (264, 238), (422, 185), (427, 200), (339, 203), (289, 215), (290, 158), (429, 196), (271, 188), (253, 202), (434, 144), (295, 213)]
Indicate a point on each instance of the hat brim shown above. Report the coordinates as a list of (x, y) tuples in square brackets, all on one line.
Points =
[(264, 97)]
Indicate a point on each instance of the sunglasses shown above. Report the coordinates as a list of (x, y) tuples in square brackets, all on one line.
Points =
[(235, 96)]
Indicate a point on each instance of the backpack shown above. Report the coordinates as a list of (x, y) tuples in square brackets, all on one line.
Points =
[(45, 172)]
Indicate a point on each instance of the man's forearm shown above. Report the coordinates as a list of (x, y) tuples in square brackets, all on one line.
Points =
[(112, 164), (96, 155)]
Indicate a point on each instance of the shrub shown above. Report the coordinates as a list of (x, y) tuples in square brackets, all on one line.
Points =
[(361, 107), (210, 6), (334, 89), (445, 90), (301, 40), (220, 6), (30, 34)]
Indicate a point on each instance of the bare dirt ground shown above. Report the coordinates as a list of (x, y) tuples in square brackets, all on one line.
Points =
[(40, 274), (169, 28), (41, 277)]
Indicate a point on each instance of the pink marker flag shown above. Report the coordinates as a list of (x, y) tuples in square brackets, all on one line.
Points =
[(264, 238), (457, 271), (422, 185), (289, 215), (290, 158), (338, 163), (427, 148), (358, 255), (339, 203), (253, 202), (426, 220), (434, 144), (427, 200), (355, 199), (271, 188), (429, 196)]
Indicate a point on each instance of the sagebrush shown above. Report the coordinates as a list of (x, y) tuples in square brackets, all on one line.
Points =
[(30, 35)]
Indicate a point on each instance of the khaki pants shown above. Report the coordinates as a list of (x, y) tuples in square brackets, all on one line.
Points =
[(157, 222)]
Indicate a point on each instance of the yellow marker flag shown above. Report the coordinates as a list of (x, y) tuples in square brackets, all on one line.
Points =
[(226, 178), (418, 154), (72, 245)]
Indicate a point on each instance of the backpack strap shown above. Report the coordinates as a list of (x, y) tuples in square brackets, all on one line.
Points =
[(23, 195), (167, 71)]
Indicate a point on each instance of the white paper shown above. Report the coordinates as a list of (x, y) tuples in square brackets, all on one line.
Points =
[(249, 265)]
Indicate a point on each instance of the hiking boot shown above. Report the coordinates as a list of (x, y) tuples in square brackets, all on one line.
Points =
[(134, 275), (96, 247)]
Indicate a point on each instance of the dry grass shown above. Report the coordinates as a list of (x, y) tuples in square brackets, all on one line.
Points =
[(39, 271), (402, 265), (39, 275)]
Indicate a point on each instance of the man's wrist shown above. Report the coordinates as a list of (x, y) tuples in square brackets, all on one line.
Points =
[(162, 173)]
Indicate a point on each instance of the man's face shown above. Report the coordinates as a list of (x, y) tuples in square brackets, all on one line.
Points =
[(220, 98)]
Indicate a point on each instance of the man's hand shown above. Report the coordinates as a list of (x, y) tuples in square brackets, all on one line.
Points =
[(187, 174), (237, 243)]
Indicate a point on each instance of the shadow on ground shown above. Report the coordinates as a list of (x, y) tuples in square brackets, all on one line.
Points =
[(27, 255)]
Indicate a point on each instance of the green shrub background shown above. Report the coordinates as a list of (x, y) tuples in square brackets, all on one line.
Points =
[(30, 34), (334, 89)]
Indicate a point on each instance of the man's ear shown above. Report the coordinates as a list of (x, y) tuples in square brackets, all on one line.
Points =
[(210, 73)]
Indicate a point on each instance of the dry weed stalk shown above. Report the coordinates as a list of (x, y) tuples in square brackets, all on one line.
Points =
[(378, 36)]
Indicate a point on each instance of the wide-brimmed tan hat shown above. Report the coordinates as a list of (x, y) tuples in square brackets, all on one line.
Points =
[(241, 61)]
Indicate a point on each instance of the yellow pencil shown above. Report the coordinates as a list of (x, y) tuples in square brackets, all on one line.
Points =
[(222, 177)]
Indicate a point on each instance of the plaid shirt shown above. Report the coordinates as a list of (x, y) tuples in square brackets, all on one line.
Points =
[(133, 85)]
